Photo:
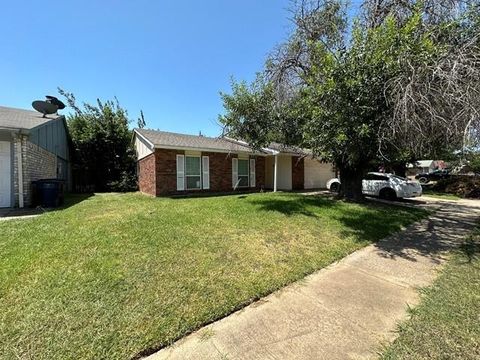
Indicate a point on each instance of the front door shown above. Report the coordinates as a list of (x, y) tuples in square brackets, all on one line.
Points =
[(5, 174)]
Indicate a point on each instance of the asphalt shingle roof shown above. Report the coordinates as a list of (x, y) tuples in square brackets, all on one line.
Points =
[(288, 149), (22, 119), (163, 138)]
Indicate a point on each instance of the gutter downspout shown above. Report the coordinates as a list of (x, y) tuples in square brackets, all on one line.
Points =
[(275, 174), (20, 173)]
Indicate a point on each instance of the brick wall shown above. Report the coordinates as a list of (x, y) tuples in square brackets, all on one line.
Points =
[(298, 173), (157, 173), (166, 171), (37, 163), (146, 175), (220, 171), (259, 172)]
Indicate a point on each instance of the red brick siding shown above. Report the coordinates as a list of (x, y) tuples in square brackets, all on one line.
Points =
[(260, 172), (146, 175), (166, 171), (298, 173), (158, 172), (220, 171)]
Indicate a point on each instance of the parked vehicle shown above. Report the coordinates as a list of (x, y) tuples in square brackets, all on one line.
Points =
[(385, 186), (333, 185), (435, 175)]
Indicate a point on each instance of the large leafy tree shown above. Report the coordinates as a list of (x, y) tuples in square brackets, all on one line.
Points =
[(361, 90), (103, 157)]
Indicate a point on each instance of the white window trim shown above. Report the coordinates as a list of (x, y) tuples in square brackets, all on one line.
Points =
[(199, 175), (180, 173), (252, 173), (247, 176), (205, 170), (234, 173)]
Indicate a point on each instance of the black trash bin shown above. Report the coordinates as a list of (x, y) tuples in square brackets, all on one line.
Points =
[(48, 193)]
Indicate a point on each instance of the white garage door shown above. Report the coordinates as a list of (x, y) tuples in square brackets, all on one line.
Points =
[(317, 174), (5, 174)]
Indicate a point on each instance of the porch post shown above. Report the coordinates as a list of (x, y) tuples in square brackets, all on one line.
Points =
[(275, 173)]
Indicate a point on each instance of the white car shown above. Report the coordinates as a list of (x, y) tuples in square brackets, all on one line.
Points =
[(385, 186)]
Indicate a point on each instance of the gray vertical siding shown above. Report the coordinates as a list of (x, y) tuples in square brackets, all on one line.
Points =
[(52, 137)]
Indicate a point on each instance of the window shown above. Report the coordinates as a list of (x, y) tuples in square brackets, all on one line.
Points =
[(193, 172), (376, 177), (243, 174)]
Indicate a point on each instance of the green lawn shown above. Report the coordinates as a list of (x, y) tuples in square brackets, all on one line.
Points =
[(446, 325), (115, 276)]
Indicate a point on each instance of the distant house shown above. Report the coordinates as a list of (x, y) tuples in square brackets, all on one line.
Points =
[(170, 163), (425, 166), (31, 148)]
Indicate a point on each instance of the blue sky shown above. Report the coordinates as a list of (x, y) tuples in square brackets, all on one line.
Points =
[(169, 58)]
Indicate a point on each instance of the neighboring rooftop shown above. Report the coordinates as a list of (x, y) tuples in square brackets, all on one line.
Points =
[(169, 139), (421, 163), (12, 118)]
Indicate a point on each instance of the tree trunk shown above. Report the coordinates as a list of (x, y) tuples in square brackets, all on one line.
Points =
[(351, 184), (400, 169)]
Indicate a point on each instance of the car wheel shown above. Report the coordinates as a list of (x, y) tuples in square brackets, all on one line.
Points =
[(335, 187), (423, 180), (388, 194)]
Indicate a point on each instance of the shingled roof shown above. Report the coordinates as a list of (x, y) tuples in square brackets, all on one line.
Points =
[(174, 140), (288, 149), (11, 118)]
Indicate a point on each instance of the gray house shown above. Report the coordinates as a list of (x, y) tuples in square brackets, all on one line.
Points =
[(31, 148)]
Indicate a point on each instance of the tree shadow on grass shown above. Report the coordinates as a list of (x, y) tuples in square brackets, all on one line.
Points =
[(471, 247), (19, 213), (69, 201), (431, 238), (377, 221), (372, 224), (291, 205)]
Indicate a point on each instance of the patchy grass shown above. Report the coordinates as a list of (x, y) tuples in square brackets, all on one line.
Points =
[(116, 276), (446, 324)]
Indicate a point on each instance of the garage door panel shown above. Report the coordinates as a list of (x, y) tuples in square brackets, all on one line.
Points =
[(317, 174)]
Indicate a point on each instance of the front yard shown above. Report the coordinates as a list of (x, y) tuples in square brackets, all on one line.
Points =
[(446, 325), (115, 276)]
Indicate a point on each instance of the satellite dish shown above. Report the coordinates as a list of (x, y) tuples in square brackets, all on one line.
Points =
[(53, 100), (44, 107)]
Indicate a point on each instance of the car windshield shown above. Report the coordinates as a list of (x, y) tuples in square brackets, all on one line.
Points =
[(399, 178)]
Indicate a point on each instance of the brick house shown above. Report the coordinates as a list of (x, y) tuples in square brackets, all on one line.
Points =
[(31, 148), (170, 163)]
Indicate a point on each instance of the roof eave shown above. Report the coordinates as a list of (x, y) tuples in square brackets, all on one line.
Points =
[(206, 149), (15, 129), (136, 132)]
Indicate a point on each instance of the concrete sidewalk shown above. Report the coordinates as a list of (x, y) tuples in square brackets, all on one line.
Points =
[(345, 311)]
